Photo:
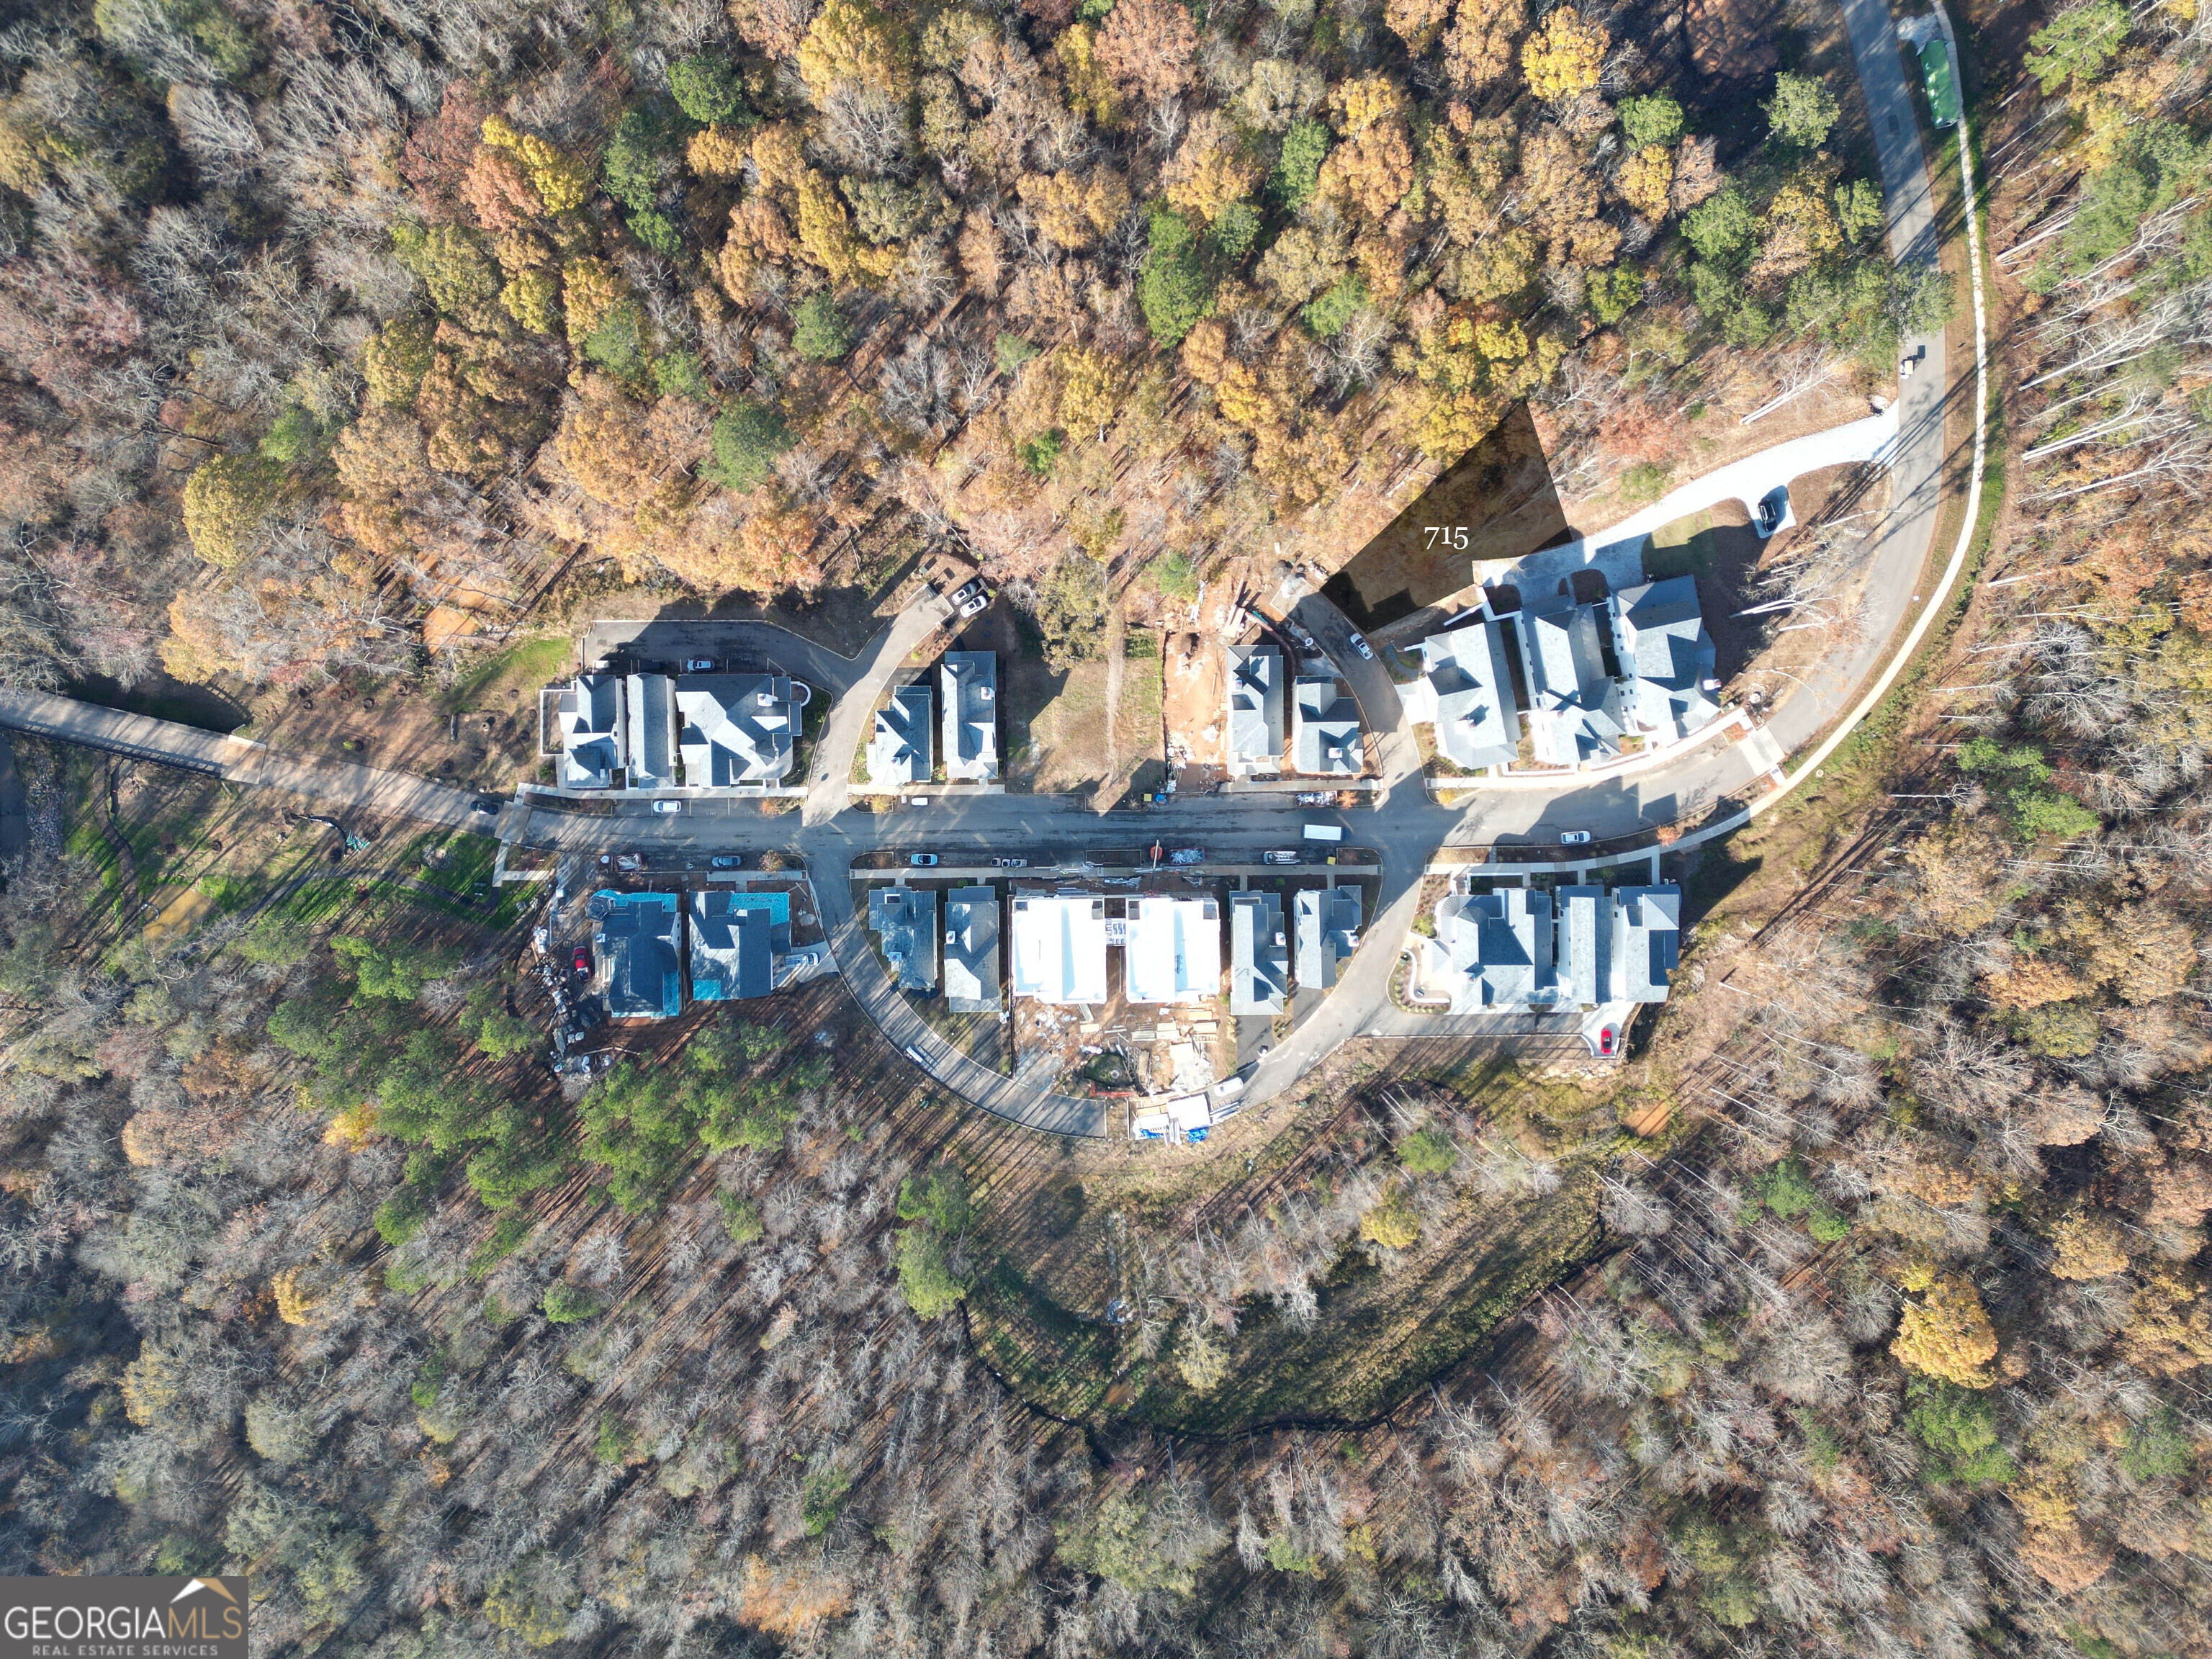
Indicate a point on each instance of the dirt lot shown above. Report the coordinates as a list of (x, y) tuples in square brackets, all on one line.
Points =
[(1093, 729)]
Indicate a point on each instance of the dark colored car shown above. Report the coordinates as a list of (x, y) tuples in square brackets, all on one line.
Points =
[(486, 803)]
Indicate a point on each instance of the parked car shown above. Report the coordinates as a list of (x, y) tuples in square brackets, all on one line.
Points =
[(1911, 361), (629, 861), (1606, 1040), (667, 809), (804, 958), (1279, 856), (487, 804), (915, 1056), (698, 665), (1365, 650), (972, 599), (581, 962), (726, 861), (1010, 864), (1574, 838), (922, 860)]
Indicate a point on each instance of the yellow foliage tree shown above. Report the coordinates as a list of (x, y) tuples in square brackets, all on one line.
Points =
[(226, 497), (1479, 46), (1646, 178), (1947, 1333), (716, 153), (1417, 22), (1391, 1222), (533, 300), (2033, 982), (2146, 955), (1091, 92), (590, 288), (857, 41), (560, 180), (1074, 209), (1090, 391), (2055, 1548), (296, 1302), (1205, 351), (1207, 171), (2087, 1245), (1565, 56), (152, 1383), (1372, 169), (1360, 103), (2169, 1328)]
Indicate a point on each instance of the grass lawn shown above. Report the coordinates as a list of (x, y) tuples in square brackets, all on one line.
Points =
[(1684, 548), (509, 677)]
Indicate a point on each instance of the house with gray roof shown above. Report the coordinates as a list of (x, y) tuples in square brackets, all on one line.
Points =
[(1660, 639), (1259, 955), (634, 939), (1647, 942), (595, 732), (1576, 708), (971, 951), (906, 917), (1324, 728), (737, 728), (650, 752), (1466, 690), (899, 752), (1499, 946), (1326, 921), (968, 681), (1255, 709), (736, 940), (1581, 947)]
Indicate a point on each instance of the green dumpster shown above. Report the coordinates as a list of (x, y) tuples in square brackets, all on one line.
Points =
[(1942, 90)]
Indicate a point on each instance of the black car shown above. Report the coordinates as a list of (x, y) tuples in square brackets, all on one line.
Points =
[(486, 803)]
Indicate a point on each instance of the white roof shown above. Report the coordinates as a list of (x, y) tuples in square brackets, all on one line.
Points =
[(1059, 946), (1174, 951)]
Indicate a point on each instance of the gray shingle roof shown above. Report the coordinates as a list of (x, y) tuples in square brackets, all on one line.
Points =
[(592, 731), (735, 940), (1256, 704), (651, 753), (1324, 728), (969, 683), (635, 940), (899, 752), (971, 951), (1259, 955), (1469, 695), (737, 728), (1663, 644), (907, 919), (1327, 926), (1575, 707)]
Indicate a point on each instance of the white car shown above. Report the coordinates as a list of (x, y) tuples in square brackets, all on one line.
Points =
[(1574, 838), (668, 808), (1365, 650), (922, 860), (698, 665)]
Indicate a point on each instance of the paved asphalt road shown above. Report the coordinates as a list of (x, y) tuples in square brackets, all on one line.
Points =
[(1405, 827)]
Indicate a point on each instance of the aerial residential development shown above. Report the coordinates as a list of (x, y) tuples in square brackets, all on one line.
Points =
[(1107, 828)]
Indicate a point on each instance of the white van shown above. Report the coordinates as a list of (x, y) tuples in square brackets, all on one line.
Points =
[(1324, 832)]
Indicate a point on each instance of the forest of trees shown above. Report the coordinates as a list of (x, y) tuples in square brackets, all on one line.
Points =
[(314, 319), (1901, 1339)]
